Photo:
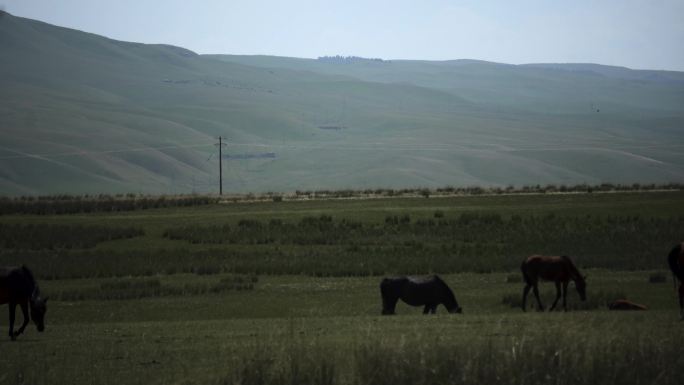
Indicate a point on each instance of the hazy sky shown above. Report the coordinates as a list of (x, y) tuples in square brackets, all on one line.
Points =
[(633, 33)]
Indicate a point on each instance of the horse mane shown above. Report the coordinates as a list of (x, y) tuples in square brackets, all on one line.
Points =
[(673, 261), (573, 269), (29, 278)]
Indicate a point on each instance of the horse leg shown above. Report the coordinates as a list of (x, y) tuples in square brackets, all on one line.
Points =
[(24, 310), (426, 309), (12, 310), (433, 309), (558, 295), (565, 296), (535, 289), (526, 291)]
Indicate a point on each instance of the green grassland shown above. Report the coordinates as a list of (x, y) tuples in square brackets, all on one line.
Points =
[(334, 323), (295, 299), (80, 113), (365, 237)]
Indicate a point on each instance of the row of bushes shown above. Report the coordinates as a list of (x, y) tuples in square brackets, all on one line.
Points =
[(326, 260), (605, 241), (450, 191), (657, 277), (53, 237), (73, 204), (135, 288), (323, 246), (76, 264), (477, 190), (70, 204)]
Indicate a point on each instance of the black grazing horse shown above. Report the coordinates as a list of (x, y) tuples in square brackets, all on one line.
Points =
[(424, 291), (18, 287), (676, 261)]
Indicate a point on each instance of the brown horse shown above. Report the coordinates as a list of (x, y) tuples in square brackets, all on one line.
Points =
[(559, 270), (18, 287), (676, 261), (625, 304)]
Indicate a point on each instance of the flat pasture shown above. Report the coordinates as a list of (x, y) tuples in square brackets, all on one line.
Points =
[(231, 309)]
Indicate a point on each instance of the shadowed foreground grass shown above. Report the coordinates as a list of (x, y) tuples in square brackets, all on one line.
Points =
[(306, 330), (533, 348), (562, 354)]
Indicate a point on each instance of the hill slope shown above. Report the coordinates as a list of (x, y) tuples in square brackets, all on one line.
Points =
[(81, 113)]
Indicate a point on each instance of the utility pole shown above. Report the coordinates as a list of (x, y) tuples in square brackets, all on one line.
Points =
[(220, 145)]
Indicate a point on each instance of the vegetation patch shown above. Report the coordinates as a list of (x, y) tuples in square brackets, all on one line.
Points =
[(471, 241), (55, 237), (514, 278), (73, 204), (135, 288), (657, 277)]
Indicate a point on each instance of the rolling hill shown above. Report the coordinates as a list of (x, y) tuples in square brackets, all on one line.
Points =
[(81, 113)]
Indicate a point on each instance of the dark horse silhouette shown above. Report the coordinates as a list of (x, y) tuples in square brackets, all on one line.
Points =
[(417, 291), (676, 261), (18, 287), (559, 270)]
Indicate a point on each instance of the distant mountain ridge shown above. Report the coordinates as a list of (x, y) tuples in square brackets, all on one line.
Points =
[(81, 113), (614, 71)]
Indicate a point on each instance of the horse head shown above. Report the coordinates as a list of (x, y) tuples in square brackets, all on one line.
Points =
[(38, 309), (456, 310)]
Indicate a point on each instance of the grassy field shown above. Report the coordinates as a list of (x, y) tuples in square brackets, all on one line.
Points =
[(334, 323), (153, 310)]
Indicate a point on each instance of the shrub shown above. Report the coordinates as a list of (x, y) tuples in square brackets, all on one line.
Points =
[(52, 236), (514, 278), (71, 204), (135, 288), (658, 277), (207, 270)]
